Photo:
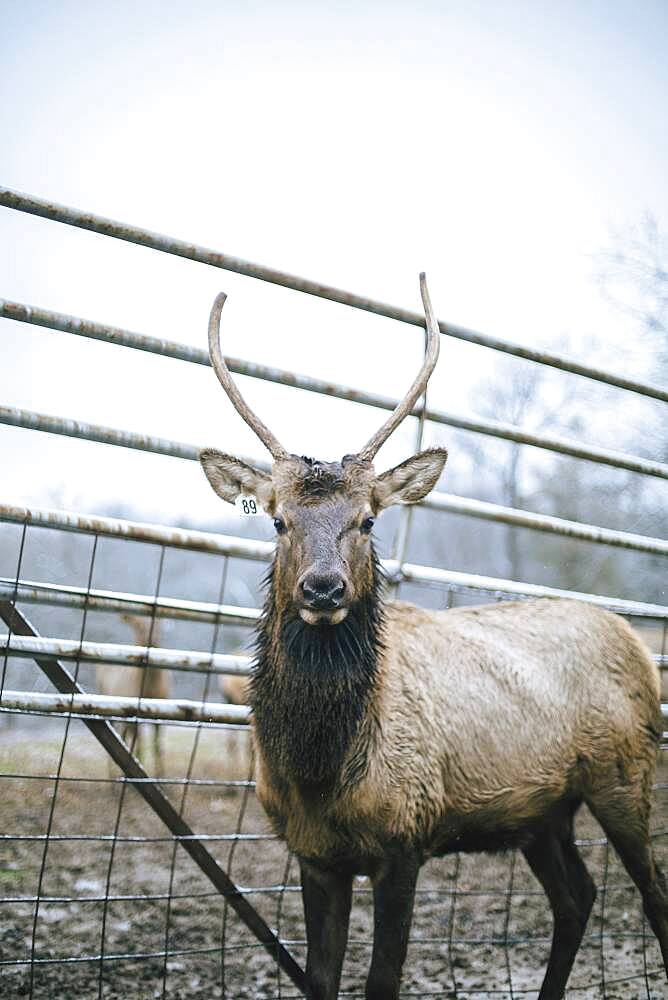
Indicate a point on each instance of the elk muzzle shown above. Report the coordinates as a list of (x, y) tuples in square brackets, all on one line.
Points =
[(322, 597)]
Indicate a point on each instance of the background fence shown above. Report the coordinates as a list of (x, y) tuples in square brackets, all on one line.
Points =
[(120, 881)]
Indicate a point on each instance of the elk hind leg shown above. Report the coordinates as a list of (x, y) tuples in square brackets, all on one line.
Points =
[(625, 820), (556, 863)]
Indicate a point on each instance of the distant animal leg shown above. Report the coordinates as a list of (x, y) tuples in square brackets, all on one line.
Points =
[(556, 863), (132, 736), (127, 729), (625, 820), (157, 751), (327, 897), (393, 897)]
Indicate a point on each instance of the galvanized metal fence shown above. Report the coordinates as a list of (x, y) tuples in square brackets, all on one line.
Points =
[(117, 880)]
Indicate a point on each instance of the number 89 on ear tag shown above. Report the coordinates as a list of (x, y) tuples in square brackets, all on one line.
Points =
[(247, 506)]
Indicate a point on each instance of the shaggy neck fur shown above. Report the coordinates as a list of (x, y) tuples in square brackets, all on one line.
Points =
[(311, 685)]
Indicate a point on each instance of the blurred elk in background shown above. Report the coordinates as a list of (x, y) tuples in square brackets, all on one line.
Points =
[(135, 682), (234, 690)]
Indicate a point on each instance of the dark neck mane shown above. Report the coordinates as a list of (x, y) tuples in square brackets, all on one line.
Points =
[(311, 686)]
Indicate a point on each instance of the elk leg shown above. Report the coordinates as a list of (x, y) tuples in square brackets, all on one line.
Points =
[(132, 736), (582, 884), (554, 860), (157, 750), (393, 898), (626, 824), (327, 896)]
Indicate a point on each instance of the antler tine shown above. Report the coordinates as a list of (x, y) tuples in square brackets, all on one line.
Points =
[(224, 377), (419, 385)]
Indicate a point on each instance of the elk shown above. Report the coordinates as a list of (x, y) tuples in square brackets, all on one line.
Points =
[(234, 690), (135, 682), (386, 734)]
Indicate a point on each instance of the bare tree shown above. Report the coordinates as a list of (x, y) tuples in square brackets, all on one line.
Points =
[(633, 277), (528, 397)]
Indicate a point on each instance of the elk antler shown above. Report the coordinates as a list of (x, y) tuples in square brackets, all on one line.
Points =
[(419, 385), (222, 371)]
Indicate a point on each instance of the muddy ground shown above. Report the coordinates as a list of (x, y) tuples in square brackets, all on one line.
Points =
[(477, 942)]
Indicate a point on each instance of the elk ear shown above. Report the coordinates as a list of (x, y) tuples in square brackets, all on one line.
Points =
[(410, 481), (230, 477)]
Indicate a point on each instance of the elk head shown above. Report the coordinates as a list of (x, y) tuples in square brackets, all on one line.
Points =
[(324, 511)]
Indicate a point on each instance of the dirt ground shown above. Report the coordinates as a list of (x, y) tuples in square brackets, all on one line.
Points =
[(480, 941)]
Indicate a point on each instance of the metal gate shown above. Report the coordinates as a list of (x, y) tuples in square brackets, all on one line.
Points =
[(123, 879)]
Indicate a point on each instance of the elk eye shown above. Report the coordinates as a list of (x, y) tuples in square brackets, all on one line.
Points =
[(279, 524), (367, 525)]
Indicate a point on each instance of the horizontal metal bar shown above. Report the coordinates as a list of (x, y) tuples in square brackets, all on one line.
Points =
[(358, 890), (156, 534), (155, 897), (642, 978), (119, 654), (110, 838), (545, 522), (65, 323), (35, 592), (227, 837), (471, 581), (93, 717), (62, 595), (191, 251), (185, 352), (124, 780), (130, 956), (30, 420), (246, 548), (436, 501), (181, 710)]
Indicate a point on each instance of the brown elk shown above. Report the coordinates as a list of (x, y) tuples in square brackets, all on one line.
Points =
[(135, 682), (387, 734), (235, 690)]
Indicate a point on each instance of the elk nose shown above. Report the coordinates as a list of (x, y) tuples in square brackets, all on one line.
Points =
[(323, 592)]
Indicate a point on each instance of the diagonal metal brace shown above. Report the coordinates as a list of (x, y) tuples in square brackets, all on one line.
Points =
[(104, 732)]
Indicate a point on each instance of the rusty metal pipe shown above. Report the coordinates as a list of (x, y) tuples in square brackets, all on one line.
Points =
[(121, 654), (66, 596), (184, 352), (204, 255), (157, 534), (494, 585), (165, 709), (203, 541), (437, 501)]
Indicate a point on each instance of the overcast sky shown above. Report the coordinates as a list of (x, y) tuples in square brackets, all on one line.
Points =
[(494, 144)]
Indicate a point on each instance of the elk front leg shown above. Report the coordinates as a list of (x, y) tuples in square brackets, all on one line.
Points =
[(393, 897), (327, 896)]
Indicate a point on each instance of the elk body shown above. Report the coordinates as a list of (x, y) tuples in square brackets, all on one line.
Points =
[(386, 734), (135, 682)]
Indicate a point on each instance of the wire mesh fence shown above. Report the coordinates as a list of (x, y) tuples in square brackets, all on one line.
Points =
[(99, 898), (135, 860)]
